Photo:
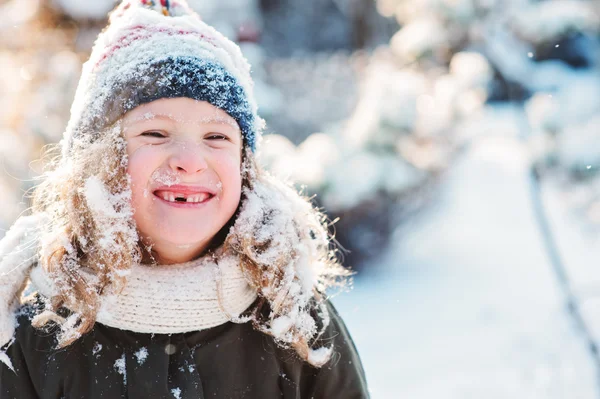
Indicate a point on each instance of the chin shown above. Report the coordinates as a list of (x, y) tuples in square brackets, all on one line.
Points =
[(189, 240), (172, 235)]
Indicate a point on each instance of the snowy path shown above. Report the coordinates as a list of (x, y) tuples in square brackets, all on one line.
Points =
[(466, 304), (579, 251)]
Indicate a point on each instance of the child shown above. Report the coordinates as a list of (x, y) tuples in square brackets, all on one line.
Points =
[(162, 262)]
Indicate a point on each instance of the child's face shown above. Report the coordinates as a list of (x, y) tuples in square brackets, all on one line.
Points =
[(185, 167)]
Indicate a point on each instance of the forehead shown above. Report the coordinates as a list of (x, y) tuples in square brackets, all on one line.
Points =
[(181, 110)]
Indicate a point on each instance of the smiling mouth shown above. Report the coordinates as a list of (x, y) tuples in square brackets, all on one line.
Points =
[(180, 198)]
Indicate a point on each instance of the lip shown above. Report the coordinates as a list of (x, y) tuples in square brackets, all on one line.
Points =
[(186, 190)]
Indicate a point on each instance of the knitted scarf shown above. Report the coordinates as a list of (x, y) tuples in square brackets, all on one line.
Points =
[(191, 296)]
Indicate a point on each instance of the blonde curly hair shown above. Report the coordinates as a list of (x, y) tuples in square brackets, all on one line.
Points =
[(74, 252)]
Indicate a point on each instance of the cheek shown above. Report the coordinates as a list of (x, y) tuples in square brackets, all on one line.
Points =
[(140, 166), (229, 170)]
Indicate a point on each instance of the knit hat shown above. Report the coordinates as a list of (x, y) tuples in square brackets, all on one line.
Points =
[(160, 49)]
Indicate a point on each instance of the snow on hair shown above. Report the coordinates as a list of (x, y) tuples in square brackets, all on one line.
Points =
[(286, 254), (92, 239), (281, 240)]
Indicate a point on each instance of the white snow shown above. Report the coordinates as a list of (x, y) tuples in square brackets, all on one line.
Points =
[(465, 303), (141, 355), (121, 368), (273, 213), (18, 249), (111, 212), (568, 119), (466, 300), (322, 163), (392, 94), (577, 239), (320, 356), (281, 325), (546, 21), (578, 145), (98, 198), (97, 348), (472, 69), (198, 39), (543, 112), (417, 38), (216, 118), (176, 393), (165, 176), (377, 173), (6, 360)]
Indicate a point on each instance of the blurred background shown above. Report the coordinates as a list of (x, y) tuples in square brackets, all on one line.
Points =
[(457, 141)]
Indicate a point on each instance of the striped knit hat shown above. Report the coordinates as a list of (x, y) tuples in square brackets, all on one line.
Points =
[(155, 49)]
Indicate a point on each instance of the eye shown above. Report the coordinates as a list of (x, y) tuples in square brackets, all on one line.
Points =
[(153, 134), (217, 137)]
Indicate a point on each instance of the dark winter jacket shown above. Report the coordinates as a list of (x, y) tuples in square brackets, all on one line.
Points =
[(228, 361)]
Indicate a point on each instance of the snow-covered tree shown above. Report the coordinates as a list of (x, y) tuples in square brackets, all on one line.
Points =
[(456, 69)]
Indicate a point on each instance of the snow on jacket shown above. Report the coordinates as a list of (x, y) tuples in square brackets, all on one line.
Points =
[(227, 361)]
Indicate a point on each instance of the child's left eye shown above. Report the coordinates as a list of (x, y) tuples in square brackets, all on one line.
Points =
[(153, 134)]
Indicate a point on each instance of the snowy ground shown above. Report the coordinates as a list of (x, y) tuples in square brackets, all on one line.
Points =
[(466, 304), (579, 249)]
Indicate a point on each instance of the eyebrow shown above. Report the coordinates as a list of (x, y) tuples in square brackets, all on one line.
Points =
[(169, 117)]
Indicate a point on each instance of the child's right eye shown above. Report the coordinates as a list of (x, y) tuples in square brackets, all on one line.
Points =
[(153, 134)]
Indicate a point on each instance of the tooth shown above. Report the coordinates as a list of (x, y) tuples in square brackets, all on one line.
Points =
[(165, 196), (190, 199), (171, 198), (179, 195)]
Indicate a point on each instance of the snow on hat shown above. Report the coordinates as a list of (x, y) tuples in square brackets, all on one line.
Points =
[(160, 49)]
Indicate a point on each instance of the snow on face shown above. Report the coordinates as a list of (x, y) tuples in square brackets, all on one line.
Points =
[(179, 151), (166, 177)]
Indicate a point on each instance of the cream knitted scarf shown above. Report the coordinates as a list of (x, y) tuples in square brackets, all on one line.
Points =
[(172, 299), (191, 296)]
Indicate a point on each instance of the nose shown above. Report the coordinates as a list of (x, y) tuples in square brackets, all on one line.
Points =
[(187, 158)]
